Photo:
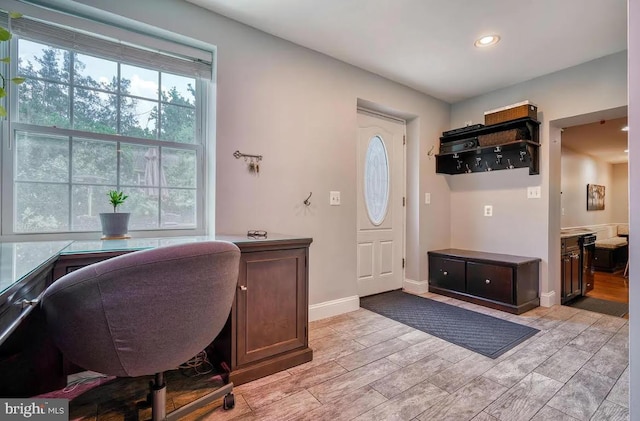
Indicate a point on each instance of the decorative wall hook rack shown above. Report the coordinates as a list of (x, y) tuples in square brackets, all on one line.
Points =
[(253, 161), (246, 156)]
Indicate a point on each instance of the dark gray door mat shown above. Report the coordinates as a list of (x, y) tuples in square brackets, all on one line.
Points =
[(597, 305), (477, 332)]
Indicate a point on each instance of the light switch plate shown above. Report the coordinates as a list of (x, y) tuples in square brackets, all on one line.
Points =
[(334, 198), (488, 210), (533, 192), (427, 198)]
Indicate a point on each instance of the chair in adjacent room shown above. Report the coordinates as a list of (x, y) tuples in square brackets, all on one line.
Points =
[(145, 313)]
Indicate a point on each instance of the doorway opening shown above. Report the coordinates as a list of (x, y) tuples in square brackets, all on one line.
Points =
[(594, 212)]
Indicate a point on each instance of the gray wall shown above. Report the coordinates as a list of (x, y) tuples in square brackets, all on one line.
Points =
[(521, 226), (298, 109), (578, 170), (620, 193)]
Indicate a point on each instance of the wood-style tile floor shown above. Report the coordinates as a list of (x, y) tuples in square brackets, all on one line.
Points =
[(368, 367)]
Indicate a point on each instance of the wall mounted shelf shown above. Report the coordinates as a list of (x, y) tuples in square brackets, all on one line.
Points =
[(510, 154)]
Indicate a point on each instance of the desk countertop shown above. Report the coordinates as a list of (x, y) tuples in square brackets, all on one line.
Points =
[(22, 264), (575, 232), (19, 260)]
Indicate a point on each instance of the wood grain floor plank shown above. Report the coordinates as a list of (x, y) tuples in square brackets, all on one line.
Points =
[(525, 399), (427, 374)]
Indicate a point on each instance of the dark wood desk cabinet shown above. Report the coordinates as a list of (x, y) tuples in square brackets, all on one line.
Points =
[(501, 281), (267, 330)]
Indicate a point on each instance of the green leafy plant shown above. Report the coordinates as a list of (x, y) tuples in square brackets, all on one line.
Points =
[(116, 198), (5, 35)]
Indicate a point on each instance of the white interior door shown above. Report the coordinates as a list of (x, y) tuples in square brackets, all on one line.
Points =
[(380, 204)]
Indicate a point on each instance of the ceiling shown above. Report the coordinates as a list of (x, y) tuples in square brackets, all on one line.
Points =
[(428, 44), (602, 139)]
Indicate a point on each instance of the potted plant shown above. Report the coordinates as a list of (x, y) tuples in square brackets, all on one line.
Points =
[(115, 225)]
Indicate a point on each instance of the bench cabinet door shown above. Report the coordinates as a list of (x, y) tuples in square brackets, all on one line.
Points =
[(447, 273), (490, 281)]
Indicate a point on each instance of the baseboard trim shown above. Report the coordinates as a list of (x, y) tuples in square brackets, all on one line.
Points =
[(333, 307), (415, 287), (548, 299)]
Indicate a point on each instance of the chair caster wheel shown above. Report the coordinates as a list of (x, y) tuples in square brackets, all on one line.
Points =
[(229, 402)]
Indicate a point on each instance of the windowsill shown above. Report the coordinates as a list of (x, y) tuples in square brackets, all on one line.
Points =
[(95, 235)]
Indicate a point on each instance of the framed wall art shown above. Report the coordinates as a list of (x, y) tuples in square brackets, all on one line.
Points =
[(595, 197)]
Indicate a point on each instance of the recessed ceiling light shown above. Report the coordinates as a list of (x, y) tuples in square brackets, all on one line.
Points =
[(487, 40), (625, 129)]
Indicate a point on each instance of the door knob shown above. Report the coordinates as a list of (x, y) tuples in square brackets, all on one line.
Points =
[(242, 287)]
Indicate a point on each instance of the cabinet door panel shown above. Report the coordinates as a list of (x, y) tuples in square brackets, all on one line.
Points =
[(272, 310), (567, 291), (576, 287), (447, 273), (490, 281)]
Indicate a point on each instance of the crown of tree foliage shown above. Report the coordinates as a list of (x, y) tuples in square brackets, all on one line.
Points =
[(5, 35), (44, 99)]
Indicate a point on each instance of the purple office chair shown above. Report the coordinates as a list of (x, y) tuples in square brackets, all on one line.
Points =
[(146, 312)]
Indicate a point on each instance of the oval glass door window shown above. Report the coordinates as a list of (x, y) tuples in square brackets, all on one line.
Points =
[(376, 180)]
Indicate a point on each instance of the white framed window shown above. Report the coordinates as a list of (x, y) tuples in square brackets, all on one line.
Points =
[(95, 115)]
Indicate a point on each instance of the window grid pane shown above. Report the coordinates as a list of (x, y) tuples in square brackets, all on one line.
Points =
[(73, 91)]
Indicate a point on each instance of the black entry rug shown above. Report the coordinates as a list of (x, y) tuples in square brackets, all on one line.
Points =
[(597, 305), (477, 332)]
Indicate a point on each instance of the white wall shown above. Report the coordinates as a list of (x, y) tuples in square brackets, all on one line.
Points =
[(578, 170), (634, 202), (521, 226), (620, 193), (297, 108)]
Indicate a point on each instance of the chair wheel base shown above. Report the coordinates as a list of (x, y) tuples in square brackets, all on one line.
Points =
[(229, 402)]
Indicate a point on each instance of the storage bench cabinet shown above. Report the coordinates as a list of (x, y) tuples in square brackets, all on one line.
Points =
[(500, 281)]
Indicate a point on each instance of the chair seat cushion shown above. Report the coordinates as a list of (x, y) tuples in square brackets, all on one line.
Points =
[(611, 243)]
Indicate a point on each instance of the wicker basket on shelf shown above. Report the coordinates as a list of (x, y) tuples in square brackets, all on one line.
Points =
[(505, 136), (511, 112)]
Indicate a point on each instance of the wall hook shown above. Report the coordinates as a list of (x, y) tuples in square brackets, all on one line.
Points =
[(430, 153), (523, 154), (306, 201)]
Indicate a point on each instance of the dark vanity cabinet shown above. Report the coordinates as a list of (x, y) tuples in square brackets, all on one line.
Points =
[(501, 281), (571, 269)]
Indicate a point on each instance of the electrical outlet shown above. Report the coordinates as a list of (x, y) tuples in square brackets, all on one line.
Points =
[(488, 210), (533, 192), (334, 198), (427, 198)]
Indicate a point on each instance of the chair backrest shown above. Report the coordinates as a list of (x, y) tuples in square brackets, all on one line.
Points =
[(144, 312)]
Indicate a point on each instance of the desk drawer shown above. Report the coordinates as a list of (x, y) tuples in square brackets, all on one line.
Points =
[(490, 281)]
